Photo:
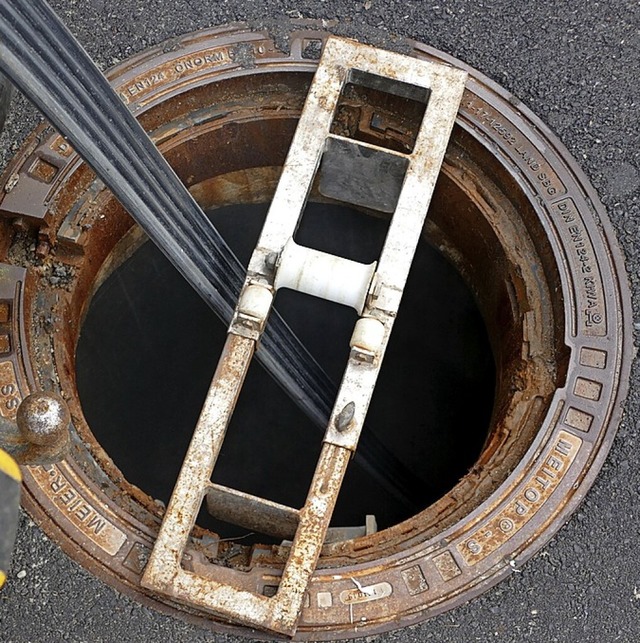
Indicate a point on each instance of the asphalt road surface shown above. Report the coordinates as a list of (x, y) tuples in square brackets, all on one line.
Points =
[(573, 62)]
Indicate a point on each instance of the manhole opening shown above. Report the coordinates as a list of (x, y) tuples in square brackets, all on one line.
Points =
[(477, 220), (149, 345)]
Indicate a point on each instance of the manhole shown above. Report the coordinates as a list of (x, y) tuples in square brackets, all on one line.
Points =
[(511, 213)]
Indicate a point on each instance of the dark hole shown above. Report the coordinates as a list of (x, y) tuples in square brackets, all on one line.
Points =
[(339, 230), (149, 346)]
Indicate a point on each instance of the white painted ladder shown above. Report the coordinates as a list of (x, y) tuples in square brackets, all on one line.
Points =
[(373, 290)]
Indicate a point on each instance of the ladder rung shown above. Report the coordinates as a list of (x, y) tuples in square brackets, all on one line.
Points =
[(252, 512)]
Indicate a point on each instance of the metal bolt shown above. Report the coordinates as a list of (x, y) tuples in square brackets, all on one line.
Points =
[(20, 224), (345, 417), (43, 418)]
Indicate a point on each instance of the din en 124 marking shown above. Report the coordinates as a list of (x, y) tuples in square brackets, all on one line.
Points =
[(536, 491), (582, 258), (182, 67)]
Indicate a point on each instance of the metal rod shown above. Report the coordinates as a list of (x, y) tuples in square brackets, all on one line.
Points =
[(251, 512)]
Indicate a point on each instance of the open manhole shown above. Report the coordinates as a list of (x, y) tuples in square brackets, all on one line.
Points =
[(499, 399), (130, 327)]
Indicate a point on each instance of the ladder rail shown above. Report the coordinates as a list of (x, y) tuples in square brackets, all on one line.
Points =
[(377, 299)]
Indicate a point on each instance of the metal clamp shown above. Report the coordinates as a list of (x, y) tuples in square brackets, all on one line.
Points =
[(373, 290)]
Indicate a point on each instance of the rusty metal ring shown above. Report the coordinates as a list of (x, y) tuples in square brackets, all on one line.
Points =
[(512, 211)]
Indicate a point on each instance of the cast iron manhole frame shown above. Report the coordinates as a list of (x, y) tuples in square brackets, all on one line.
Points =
[(77, 505)]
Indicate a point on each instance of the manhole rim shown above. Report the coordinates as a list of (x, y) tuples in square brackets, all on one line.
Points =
[(623, 303)]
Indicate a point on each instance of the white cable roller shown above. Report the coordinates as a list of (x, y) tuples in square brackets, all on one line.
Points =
[(324, 275)]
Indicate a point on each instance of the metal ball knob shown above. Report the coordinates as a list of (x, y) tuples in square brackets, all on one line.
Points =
[(43, 418)]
